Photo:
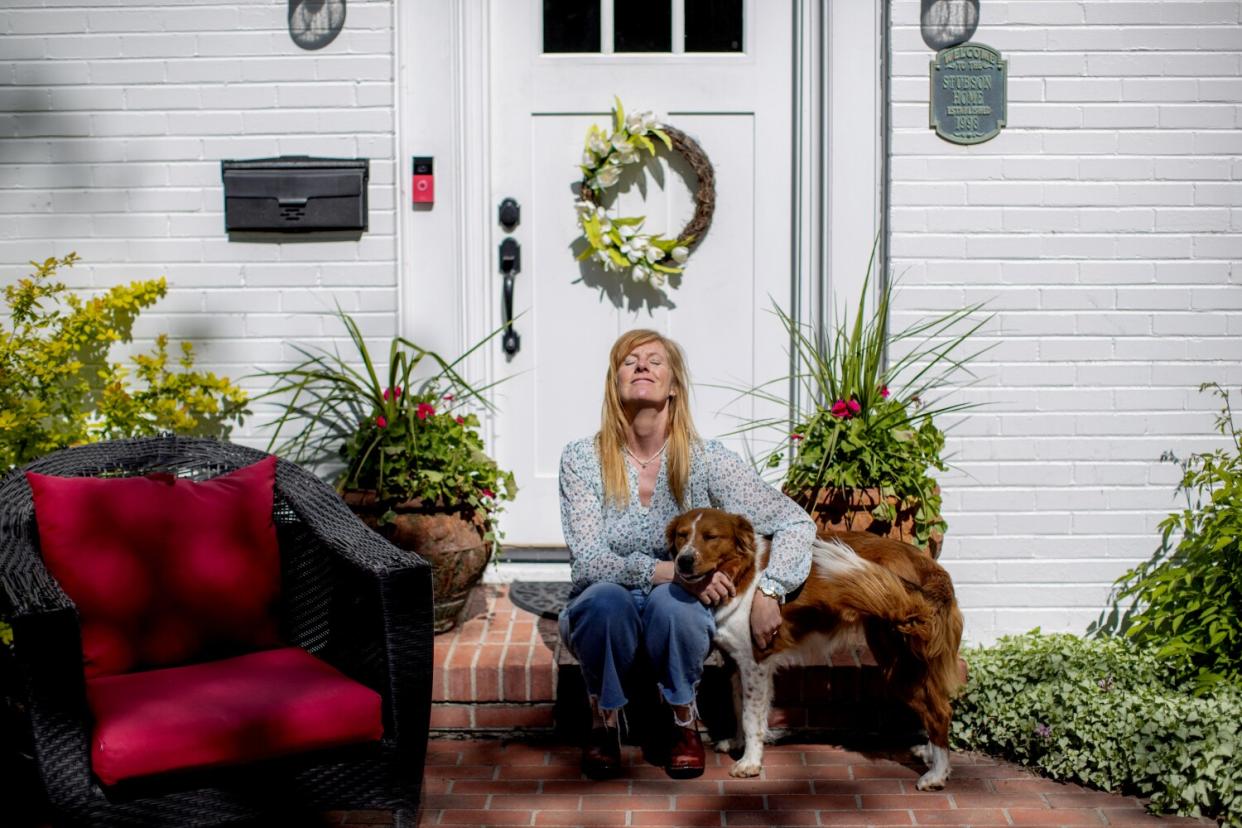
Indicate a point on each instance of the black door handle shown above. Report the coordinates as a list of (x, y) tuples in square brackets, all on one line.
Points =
[(510, 266)]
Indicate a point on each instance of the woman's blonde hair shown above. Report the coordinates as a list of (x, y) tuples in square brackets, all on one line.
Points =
[(611, 438)]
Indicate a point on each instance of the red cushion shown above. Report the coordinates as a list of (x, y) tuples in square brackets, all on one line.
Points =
[(163, 570), (240, 709)]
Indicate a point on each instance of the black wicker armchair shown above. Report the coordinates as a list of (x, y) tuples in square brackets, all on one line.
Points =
[(347, 596)]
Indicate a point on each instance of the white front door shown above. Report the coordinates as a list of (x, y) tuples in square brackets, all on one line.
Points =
[(555, 67)]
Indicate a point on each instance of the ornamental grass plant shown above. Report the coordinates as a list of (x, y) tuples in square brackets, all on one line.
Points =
[(866, 418), (405, 437)]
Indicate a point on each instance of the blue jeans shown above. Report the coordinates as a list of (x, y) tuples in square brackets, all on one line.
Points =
[(605, 625)]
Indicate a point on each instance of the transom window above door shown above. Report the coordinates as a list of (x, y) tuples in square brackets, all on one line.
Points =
[(642, 26)]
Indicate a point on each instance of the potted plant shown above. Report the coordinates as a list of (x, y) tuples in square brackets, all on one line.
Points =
[(405, 453), (865, 442)]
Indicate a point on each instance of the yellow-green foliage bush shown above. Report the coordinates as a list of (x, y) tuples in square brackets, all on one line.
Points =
[(59, 388)]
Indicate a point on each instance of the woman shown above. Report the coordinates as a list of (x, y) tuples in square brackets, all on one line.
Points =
[(619, 490)]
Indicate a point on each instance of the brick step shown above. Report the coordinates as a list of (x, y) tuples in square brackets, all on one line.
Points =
[(844, 695), (495, 672), (503, 670)]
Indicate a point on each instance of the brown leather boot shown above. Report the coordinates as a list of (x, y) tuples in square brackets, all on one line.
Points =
[(601, 755), (685, 753)]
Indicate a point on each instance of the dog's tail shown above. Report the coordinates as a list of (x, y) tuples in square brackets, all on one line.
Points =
[(859, 589), (925, 614)]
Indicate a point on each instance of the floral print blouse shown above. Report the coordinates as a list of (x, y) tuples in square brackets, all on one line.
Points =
[(623, 545)]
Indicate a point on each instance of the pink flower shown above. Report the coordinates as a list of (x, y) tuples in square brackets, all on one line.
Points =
[(854, 406), (840, 409), (448, 397), (381, 421), (884, 391), (393, 392), (425, 410), (488, 493), (795, 437), (461, 420)]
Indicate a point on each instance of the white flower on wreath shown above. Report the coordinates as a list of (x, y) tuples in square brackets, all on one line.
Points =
[(597, 143), (639, 123), (588, 158), (605, 224), (627, 231), (654, 254), (640, 273), (607, 176), (584, 208), (639, 243), (680, 253)]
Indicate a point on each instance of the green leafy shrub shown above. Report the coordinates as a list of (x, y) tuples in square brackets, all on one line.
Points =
[(1187, 599), (1108, 713), (58, 387)]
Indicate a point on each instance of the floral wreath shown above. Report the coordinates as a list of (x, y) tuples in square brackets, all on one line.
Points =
[(617, 243)]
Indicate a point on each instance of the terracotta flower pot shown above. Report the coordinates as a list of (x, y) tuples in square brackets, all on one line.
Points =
[(449, 538), (849, 510)]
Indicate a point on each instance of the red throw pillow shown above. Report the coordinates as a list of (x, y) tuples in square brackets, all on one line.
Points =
[(163, 570)]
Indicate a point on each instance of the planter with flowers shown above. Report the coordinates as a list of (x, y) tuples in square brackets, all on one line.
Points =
[(414, 465), (865, 443)]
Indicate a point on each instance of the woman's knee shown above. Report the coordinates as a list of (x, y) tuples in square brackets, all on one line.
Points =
[(670, 605), (604, 605)]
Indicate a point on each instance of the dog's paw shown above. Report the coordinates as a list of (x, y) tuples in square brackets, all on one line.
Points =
[(931, 781), (724, 745), (744, 769)]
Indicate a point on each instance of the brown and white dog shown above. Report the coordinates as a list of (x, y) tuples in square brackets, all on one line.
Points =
[(862, 588)]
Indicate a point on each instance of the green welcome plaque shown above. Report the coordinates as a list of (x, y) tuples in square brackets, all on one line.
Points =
[(968, 93)]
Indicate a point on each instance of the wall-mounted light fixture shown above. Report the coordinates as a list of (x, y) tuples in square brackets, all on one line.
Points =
[(314, 24), (947, 23)]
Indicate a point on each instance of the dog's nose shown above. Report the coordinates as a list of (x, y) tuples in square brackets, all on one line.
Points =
[(685, 564)]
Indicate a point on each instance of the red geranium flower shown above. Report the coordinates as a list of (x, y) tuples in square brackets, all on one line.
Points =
[(488, 493), (884, 391), (448, 397), (381, 421), (461, 420), (393, 392), (425, 410), (795, 437), (854, 406), (840, 409)]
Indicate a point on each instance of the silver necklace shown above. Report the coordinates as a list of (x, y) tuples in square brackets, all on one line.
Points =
[(645, 463)]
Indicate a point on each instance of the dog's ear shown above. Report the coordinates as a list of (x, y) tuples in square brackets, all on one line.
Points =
[(743, 535), (670, 535)]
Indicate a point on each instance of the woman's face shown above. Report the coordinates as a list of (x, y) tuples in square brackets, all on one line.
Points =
[(645, 376)]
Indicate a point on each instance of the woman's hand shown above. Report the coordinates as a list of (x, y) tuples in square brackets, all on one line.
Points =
[(710, 591), (765, 619)]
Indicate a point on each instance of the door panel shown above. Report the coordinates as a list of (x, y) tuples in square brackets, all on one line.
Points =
[(737, 106)]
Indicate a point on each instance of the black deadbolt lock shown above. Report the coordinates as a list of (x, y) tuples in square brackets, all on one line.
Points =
[(510, 214), (510, 256)]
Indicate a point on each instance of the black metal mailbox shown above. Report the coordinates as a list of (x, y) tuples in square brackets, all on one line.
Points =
[(295, 193)]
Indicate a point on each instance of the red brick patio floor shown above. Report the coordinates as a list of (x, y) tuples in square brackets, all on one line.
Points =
[(500, 782)]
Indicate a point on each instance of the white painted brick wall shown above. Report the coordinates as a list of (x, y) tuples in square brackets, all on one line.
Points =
[(113, 123), (1102, 226)]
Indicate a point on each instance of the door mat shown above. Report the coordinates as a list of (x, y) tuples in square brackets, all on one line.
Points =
[(543, 598)]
